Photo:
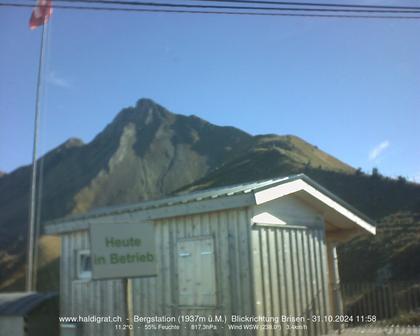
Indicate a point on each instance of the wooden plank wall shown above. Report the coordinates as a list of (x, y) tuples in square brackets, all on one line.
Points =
[(159, 296), (81, 297), (290, 276)]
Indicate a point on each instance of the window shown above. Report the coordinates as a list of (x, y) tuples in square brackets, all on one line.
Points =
[(196, 272), (83, 265)]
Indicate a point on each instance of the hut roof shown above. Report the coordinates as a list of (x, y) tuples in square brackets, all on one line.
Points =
[(253, 193), (22, 303)]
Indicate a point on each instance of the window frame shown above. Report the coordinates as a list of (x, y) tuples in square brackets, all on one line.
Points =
[(80, 274)]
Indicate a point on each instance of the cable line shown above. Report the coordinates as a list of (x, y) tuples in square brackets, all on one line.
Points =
[(288, 3), (178, 5), (175, 11)]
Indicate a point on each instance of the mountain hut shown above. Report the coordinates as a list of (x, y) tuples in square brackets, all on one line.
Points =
[(260, 253)]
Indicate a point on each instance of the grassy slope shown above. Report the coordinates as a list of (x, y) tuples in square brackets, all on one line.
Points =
[(270, 156), (49, 263)]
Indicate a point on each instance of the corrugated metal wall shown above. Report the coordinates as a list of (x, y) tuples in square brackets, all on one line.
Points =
[(230, 229), (290, 276), (81, 297), (159, 296)]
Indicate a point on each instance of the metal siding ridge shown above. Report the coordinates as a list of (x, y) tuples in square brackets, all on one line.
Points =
[(273, 258), (208, 205), (307, 276), (256, 272), (313, 282)]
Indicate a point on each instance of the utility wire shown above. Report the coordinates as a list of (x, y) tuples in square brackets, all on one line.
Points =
[(219, 7), (147, 10), (309, 4)]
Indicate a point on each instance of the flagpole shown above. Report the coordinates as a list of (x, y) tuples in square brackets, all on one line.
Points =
[(32, 243)]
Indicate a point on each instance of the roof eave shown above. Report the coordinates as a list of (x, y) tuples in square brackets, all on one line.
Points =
[(304, 183)]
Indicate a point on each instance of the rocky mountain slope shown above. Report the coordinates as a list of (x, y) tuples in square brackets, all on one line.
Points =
[(147, 152)]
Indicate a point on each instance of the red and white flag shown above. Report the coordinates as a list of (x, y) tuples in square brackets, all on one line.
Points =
[(40, 14)]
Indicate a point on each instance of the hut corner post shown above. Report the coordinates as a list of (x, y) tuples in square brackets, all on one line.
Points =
[(338, 300)]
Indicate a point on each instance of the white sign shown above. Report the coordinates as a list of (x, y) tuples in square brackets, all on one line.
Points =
[(122, 250)]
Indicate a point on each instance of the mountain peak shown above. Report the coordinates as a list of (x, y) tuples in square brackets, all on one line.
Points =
[(72, 142), (146, 103), (144, 112)]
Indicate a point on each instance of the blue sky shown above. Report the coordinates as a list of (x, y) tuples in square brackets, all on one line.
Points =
[(350, 87)]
